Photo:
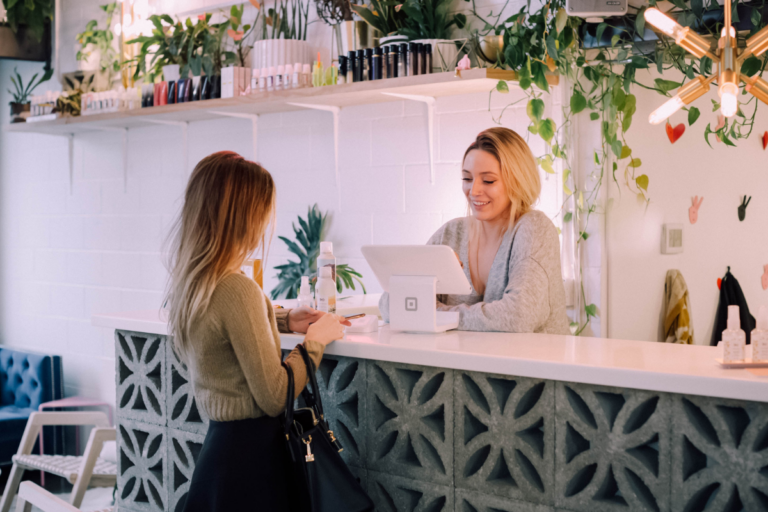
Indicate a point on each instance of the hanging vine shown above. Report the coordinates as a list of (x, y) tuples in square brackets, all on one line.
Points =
[(600, 81)]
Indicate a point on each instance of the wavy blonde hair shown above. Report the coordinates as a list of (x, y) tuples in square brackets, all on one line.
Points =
[(518, 168), (229, 203)]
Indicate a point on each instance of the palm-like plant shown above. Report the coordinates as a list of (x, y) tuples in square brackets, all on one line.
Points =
[(21, 92), (309, 234)]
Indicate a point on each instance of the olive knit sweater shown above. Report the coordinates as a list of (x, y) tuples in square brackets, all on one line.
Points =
[(234, 354)]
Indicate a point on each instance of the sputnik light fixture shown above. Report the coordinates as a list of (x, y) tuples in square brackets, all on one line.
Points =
[(726, 57)]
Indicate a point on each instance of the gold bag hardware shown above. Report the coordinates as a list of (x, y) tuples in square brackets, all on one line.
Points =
[(310, 457)]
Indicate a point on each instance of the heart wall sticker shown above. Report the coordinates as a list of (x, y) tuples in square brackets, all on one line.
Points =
[(675, 133), (765, 140)]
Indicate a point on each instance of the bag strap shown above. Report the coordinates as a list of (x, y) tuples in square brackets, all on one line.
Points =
[(313, 398), (289, 400)]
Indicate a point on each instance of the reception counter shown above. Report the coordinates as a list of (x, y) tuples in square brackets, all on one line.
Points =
[(484, 422)]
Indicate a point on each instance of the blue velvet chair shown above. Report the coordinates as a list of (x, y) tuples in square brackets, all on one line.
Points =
[(26, 381)]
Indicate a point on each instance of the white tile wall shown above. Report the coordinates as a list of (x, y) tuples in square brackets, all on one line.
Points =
[(64, 257)]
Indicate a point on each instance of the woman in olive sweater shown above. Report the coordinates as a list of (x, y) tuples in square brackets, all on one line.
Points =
[(227, 332)]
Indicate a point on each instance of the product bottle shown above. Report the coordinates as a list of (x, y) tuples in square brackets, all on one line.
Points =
[(279, 77), (326, 258), (325, 291), (296, 79), (360, 72), (387, 71), (342, 78), (393, 59), (422, 59), (306, 76), (418, 58), (351, 66), (271, 78), (305, 294), (760, 337), (368, 64), (377, 64), (402, 65), (413, 60), (254, 80), (734, 339), (287, 76), (263, 79), (428, 57)]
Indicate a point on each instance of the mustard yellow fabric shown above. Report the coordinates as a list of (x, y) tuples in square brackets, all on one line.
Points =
[(678, 325)]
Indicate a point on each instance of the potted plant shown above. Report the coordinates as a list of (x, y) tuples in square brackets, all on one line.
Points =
[(33, 15), (165, 45), (282, 34), (237, 48), (97, 51), (430, 22), (20, 104), (386, 16)]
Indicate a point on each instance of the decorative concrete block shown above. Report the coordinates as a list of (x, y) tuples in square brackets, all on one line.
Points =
[(398, 494), (140, 362), (410, 421), (469, 501), (183, 412), (612, 448), (361, 475), (505, 436), (719, 454), (183, 451), (342, 382), (141, 466)]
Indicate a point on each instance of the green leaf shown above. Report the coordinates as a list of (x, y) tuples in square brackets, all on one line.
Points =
[(597, 159), (693, 115), (666, 85), (697, 6), (591, 309), (578, 102), (640, 21), (617, 147), (502, 87), (619, 98), (626, 122), (561, 19), (600, 29), (751, 65), (636, 162), (567, 217), (615, 40), (551, 46), (547, 130), (584, 235), (539, 76), (594, 116), (546, 164), (626, 151), (642, 182), (535, 109), (756, 17)]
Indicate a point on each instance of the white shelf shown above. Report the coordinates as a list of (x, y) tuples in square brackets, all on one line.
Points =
[(344, 95)]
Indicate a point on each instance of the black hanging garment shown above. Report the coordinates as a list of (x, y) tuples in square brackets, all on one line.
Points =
[(320, 479), (731, 295)]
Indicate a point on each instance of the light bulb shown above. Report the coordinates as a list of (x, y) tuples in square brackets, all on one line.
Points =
[(663, 22), (733, 32), (729, 103), (662, 113)]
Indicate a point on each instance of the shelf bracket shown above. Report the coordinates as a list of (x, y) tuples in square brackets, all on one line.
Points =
[(254, 127), (335, 111), (184, 125), (429, 101)]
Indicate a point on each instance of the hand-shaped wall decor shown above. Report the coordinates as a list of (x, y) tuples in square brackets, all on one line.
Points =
[(743, 207), (765, 278), (693, 211)]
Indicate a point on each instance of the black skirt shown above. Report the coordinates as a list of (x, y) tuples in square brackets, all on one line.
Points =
[(242, 467)]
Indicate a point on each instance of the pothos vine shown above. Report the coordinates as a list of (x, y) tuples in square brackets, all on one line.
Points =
[(600, 81)]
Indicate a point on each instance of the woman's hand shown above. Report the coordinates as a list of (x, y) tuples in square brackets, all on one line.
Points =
[(300, 318), (329, 328)]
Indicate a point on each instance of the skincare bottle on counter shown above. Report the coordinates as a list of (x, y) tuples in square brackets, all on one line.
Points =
[(288, 76), (413, 60), (368, 64), (342, 78), (271, 78), (392, 59), (760, 337), (402, 64), (734, 339), (255, 80), (296, 77), (422, 59), (360, 72), (306, 75), (428, 57), (305, 294), (325, 291), (326, 258), (377, 64), (279, 77), (263, 79), (351, 66)]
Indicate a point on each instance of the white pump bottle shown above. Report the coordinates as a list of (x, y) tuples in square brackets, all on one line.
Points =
[(760, 337), (305, 294), (734, 339)]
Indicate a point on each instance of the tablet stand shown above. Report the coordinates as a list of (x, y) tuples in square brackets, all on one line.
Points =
[(413, 303)]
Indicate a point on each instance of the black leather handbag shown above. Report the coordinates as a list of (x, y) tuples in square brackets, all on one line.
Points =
[(320, 479)]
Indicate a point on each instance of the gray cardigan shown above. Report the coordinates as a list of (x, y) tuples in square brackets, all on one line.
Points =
[(524, 292)]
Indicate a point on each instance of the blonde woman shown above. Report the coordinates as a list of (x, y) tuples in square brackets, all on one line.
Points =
[(227, 332), (510, 252)]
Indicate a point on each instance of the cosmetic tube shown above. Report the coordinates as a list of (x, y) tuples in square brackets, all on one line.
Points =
[(392, 60), (360, 66), (368, 74), (263, 79), (164, 90), (255, 80), (413, 60), (342, 79), (287, 76), (351, 65), (387, 71), (428, 57), (377, 64), (422, 59), (306, 75), (279, 77), (419, 58), (296, 77), (402, 63), (271, 78)]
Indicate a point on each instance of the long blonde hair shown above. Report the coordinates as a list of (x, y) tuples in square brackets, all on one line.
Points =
[(518, 168), (228, 205)]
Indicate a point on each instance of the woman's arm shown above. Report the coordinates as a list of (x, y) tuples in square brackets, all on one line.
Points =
[(524, 307), (256, 343)]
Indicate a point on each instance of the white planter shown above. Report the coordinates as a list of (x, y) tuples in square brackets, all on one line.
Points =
[(279, 52), (171, 72), (445, 54), (396, 39)]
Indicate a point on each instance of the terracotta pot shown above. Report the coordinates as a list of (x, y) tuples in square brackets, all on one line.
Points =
[(19, 112)]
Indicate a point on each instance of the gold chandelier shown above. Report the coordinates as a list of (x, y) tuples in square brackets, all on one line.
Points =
[(725, 55)]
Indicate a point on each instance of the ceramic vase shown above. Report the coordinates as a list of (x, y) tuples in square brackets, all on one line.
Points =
[(18, 111)]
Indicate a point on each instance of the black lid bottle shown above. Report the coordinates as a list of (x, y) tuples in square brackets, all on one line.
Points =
[(376, 67), (413, 60), (351, 65), (392, 61), (368, 64), (360, 71)]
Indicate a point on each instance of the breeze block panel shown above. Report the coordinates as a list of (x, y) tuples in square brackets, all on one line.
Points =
[(613, 448), (504, 436), (140, 376), (142, 481), (719, 454), (410, 421), (183, 451), (470, 501), (183, 411), (343, 382), (397, 494)]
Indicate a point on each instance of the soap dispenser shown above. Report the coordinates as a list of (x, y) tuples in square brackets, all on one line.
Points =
[(305, 294), (734, 339), (760, 337)]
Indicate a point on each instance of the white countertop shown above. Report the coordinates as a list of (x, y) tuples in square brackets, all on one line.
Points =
[(622, 363)]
